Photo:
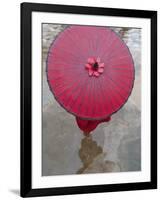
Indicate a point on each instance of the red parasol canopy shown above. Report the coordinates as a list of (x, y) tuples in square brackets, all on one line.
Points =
[(90, 71)]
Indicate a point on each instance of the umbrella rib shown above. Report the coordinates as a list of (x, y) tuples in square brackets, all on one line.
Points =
[(99, 45), (66, 82), (114, 53), (90, 97), (77, 86), (120, 58), (119, 68), (114, 50), (116, 91), (59, 86), (100, 97), (116, 85), (86, 91), (74, 42), (91, 44), (61, 57), (122, 82), (123, 74), (62, 50), (119, 84), (96, 96), (80, 36), (121, 42), (73, 91), (114, 95), (63, 68), (108, 96), (79, 74), (79, 93), (101, 89), (60, 61), (82, 96), (94, 108), (93, 101), (121, 63), (95, 42), (70, 94), (109, 44)]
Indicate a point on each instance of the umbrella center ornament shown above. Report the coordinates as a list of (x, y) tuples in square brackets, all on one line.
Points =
[(94, 66)]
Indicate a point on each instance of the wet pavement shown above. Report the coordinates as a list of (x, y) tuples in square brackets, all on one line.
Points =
[(114, 146)]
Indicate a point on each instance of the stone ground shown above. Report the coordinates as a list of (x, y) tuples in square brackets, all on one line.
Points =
[(113, 147)]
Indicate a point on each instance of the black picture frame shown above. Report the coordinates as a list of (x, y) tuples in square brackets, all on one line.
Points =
[(26, 100)]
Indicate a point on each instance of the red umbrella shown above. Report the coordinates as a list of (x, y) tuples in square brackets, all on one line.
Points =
[(90, 71)]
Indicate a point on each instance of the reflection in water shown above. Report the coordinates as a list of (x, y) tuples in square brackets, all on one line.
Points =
[(88, 151), (92, 157)]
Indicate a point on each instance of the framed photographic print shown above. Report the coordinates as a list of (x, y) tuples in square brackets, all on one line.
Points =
[(88, 99)]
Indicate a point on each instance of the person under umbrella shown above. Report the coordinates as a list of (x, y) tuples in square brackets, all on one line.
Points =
[(90, 72)]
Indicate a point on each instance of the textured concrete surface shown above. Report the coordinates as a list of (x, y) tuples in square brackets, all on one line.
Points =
[(113, 147)]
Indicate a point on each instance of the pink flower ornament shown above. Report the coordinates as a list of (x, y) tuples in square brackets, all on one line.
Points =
[(94, 66)]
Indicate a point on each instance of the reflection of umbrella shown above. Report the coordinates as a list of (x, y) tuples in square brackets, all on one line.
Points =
[(90, 72)]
